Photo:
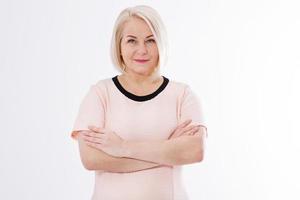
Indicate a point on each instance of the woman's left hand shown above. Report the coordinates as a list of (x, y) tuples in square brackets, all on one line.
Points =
[(104, 140)]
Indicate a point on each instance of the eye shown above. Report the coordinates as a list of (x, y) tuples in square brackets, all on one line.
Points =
[(131, 41), (151, 41)]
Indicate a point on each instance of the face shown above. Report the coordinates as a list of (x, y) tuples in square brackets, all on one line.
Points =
[(138, 47)]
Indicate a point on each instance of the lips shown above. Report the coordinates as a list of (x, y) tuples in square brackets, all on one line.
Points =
[(141, 60)]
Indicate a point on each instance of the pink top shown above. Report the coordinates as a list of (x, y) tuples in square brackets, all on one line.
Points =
[(151, 117)]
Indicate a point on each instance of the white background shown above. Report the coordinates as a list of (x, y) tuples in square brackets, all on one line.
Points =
[(241, 57)]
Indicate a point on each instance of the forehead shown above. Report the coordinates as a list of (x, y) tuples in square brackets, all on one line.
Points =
[(137, 27)]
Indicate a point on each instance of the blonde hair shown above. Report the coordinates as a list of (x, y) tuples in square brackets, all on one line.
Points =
[(152, 18)]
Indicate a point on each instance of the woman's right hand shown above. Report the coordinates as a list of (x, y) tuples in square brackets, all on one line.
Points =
[(184, 129)]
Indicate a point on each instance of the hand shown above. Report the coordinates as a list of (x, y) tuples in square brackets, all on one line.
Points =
[(184, 129), (104, 140)]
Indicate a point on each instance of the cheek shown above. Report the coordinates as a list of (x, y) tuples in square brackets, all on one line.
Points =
[(155, 53), (127, 56), (126, 53)]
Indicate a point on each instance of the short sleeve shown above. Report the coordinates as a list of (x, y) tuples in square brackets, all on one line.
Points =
[(91, 112), (191, 108)]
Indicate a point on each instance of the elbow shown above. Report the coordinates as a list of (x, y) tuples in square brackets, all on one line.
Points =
[(88, 164), (193, 153), (191, 157), (87, 155), (95, 163), (199, 151), (87, 160), (89, 167), (199, 156)]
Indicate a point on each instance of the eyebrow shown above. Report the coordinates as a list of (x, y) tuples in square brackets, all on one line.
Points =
[(135, 36)]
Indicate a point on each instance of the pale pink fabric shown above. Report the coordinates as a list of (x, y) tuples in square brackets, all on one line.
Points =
[(105, 106)]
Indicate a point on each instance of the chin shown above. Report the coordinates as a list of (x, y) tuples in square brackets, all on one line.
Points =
[(144, 71)]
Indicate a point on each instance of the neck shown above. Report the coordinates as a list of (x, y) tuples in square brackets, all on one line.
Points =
[(140, 79)]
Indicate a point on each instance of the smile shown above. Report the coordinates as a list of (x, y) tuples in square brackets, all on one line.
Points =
[(141, 60)]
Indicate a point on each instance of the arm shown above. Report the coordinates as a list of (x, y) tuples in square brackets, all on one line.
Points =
[(94, 159), (177, 151), (91, 112), (188, 148)]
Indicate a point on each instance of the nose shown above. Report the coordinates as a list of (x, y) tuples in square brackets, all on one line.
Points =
[(142, 48)]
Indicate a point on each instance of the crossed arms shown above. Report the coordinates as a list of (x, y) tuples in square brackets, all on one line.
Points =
[(180, 150)]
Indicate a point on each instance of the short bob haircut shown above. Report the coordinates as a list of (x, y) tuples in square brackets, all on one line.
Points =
[(153, 19)]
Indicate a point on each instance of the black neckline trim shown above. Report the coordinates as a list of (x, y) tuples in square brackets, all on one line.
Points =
[(140, 98)]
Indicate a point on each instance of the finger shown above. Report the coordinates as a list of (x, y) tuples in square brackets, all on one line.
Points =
[(185, 123), (188, 128), (188, 133), (183, 130), (176, 132), (83, 132), (94, 128), (93, 139), (94, 134), (173, 135), (88, 138), (194, 130), (95, 145)]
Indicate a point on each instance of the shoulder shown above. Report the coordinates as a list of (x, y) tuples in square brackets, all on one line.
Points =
[(100, 87), (102, 84), (183, 90), (180, 87)]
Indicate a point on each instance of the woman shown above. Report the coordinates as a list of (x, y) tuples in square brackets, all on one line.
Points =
[(135, 130)]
